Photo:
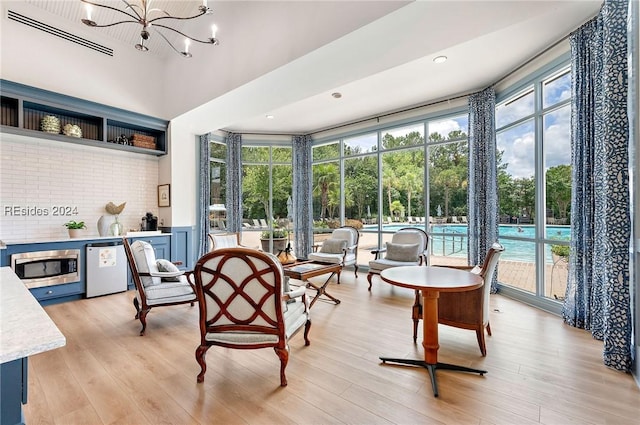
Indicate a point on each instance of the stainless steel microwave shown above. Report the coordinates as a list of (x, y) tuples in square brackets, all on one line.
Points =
[(47, 268)]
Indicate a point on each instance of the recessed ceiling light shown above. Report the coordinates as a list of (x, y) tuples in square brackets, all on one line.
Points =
[(440, 59), (269, 117), (336, 95)]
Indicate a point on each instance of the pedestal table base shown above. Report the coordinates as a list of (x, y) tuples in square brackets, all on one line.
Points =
[(432, 367)]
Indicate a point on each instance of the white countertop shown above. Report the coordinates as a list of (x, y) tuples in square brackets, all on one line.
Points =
[(26, 328), (4, 243)]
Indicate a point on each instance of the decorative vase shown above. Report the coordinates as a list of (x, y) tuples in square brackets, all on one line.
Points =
[(116, 228), (104, 224)]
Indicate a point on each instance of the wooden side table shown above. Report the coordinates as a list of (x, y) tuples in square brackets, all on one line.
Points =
[(304, 270), (431, 281)]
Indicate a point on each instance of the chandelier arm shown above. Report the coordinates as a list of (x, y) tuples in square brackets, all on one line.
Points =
[(116, 23), (112, 8), (133, 9), (208, 41), (185, 18), (168, 42)]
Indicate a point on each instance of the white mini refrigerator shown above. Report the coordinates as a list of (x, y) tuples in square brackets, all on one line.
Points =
[(106, 268)]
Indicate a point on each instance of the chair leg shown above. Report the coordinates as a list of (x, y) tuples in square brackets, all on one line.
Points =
[(200, 358), (369, 276), (480, 335), (143, 319), (355, 266), (136, 304), (307, 326), (488, 328), (338, 273), (416, 315), (283, 354)]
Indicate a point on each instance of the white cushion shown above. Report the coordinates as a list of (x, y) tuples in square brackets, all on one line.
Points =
[(402, 252), (145, 258), (333, 246), (224, 241), (323, 257), (169, 292), (168, 266), (376, 266), (346, 234)]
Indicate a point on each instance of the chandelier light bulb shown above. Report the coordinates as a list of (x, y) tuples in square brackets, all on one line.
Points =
[(214, 30), (88, 8), (186, 45)]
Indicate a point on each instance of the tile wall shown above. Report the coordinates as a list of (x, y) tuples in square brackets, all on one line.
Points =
[(43, 181)]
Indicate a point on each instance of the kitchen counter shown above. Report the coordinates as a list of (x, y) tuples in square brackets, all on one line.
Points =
[(83, 238), (26, 327), (26, 330)]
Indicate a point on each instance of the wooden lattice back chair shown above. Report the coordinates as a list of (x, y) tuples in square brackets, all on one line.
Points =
[(244, 304)]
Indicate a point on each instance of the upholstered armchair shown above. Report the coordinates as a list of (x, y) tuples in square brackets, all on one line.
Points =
[(341, 248), (409, 246), (245, 303), (158, 282), (223, 240), (469, 309)]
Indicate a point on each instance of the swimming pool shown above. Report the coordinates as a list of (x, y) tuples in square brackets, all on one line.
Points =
[(451, 239)]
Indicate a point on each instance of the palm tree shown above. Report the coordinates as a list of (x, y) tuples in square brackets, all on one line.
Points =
[(449, 180), (410, 182), (326, 178), (389, 180)]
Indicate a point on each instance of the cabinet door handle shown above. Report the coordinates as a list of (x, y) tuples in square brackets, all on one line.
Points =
[(49, 292)]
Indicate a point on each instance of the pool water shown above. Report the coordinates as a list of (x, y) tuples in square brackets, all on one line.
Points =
[(452, 240)]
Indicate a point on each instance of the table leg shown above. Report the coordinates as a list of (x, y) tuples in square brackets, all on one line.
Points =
[(321, 290), (430, 342)]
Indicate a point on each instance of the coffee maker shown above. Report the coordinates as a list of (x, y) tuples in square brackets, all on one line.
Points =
[(149, 222)]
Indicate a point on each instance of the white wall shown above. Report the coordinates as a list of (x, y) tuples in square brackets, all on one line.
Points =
[(128, 80), (45, 173)]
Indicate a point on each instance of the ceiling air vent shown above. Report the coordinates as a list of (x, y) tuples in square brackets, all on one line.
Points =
[(14, 16)]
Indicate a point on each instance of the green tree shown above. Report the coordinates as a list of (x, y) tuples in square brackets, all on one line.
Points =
[(410, 182), (449, 180), (559, 189), (325, 178)]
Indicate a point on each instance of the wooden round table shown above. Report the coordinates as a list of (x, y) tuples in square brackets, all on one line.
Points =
[(431, 281)]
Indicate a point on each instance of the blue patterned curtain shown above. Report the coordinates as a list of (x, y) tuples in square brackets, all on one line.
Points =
[(597, 296), (234, 182), (302, 186), (483, 178), (204, 195)]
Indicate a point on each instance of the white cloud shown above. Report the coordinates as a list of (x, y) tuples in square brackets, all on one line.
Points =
[(444, 127)]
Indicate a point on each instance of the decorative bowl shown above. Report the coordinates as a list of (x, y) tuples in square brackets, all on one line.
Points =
[(72, 130), (50, 124)]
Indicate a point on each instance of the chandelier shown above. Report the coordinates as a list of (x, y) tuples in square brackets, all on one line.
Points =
[(153, 20)]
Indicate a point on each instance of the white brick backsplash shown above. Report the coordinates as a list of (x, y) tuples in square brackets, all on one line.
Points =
[(44, 173)]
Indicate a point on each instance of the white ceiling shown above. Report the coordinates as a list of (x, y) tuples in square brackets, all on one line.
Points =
[(286, 58)]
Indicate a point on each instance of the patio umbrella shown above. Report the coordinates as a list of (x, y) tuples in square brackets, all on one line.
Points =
[(439, 210), (289, 208)]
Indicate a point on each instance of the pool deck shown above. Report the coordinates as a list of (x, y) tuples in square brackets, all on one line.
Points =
[(519, 274)]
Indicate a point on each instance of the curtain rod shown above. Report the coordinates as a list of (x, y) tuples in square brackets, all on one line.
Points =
[(545, 50), (377, 117)]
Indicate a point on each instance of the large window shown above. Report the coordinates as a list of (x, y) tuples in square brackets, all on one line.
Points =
[(534, 184), (218, 174), (377, 182), (266, 195)]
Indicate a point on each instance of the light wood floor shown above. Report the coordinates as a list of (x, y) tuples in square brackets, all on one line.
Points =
[(539, 370)]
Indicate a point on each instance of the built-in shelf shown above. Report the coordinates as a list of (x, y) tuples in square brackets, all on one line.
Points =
[(24, 107)]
